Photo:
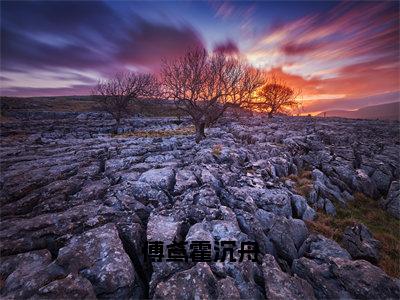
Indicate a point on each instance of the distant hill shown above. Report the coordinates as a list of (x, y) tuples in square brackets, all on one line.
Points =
[(388, 111)]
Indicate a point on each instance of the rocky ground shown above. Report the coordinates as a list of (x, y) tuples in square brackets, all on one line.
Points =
[(78, 205)]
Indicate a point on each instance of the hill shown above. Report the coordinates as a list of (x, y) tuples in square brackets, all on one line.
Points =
[(388, 111)]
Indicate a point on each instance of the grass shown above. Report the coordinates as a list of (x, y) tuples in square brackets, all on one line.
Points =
[(216, 150), (303, 182), (157, 133), (56, 104), (383, 227), (148, 108)]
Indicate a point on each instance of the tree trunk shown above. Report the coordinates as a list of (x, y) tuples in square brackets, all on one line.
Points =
[(270, 114), (200, 131)]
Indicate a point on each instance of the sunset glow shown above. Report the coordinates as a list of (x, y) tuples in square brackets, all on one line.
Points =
[(342, 55)]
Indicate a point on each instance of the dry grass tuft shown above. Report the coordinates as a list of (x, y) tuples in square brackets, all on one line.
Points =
[(157, 133), (216, 150), (303, 182), (365, 210)]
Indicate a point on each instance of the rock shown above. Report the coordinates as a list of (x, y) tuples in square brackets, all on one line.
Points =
[(275, 201), (309, 214), (77, 204), (312, 197), (247, 277), (280, 285), (185, 180), (18, 272), (163, 228), (392, 201), (71, 287), (228, 289), (382, 177), (363, 183), (199, 232), (299, 205), (159, 178), (329, 208), (98, 255), (287, 235), (360, 243), (301, 209), (324, 187), (250, 226), (320, 248), (146, 194), (197, 283), (207, 177), (51, 229), (343, 278)]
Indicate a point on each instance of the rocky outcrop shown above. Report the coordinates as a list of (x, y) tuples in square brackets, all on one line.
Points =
[(360, 243), (280, 285), (343, 278), (392, 201), (78, 206)]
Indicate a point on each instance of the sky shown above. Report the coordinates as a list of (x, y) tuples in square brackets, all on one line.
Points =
[(341, 55)]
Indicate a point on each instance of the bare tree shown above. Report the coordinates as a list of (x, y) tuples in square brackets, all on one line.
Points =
[(204, 85), (275, 96), (117, 93)]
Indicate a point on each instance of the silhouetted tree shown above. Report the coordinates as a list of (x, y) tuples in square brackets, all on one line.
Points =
[(204, 85), (275, 96), (117, 93)]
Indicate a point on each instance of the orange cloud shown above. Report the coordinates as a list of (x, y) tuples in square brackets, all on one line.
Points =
[(350, 52)]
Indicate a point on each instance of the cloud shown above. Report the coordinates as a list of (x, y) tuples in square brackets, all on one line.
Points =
[(298, 48), (316, 106), (306, 86), (223, 10), (228, 47), (80, 89), (349, 52), (62, 37), (54, 34), (146, 43)]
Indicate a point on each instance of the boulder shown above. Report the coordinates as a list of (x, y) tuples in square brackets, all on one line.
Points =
[(99, 256), (392, 201), (360, 243), (146, 194), (185, 180), (382, 177), (299, 205), (363, 183), (287, 235), (301, 209), (339, 278), (71, 287), (275, 201), (309, 215), (196, 283), (163, 228), (280, 285), (163, 179), (25, 273), (329, 207), (320, 248)]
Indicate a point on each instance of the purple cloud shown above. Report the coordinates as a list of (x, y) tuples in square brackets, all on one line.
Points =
[(87, 36), (227, 47)]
